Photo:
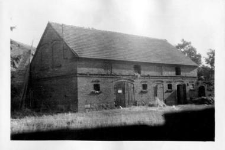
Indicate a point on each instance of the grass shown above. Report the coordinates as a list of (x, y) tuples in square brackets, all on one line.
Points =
[(151, 116)]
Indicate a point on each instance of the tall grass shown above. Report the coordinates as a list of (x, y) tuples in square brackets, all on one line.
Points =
[(117, 117)]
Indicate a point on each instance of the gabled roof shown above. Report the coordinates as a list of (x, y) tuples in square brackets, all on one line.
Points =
[(92, 43)]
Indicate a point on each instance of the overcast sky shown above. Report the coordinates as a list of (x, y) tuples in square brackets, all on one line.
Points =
[(198, 21)]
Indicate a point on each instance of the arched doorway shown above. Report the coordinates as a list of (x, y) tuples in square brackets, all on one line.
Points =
[(159, 91), (124, 93), (181, 94), (201, 91)]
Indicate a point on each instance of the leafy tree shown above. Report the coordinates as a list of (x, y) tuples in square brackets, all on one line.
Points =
[(204, 73), (207, 72), (211, 58), (187, 49)]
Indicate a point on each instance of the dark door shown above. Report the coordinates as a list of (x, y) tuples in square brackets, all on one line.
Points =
[(124, 93), (201, 91), (181, 94)]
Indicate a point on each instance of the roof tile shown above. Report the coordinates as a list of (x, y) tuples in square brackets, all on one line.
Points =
[(92, 43)]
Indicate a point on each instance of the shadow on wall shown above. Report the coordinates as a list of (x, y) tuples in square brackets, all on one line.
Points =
[(183, 126), (171, 99)]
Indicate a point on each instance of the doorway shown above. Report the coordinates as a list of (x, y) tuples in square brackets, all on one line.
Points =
[(181, 94), (124, 93), (159, 91)]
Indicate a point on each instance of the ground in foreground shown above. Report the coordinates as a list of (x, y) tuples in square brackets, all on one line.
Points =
[(180, 123)]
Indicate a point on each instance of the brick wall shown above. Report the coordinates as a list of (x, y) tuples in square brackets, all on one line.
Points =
[(62, 81), (87, 100), (55, 94), (93, 66), (53, 73), (53, 57), (95, 101)]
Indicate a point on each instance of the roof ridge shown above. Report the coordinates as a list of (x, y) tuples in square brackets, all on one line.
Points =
[(116, 32)]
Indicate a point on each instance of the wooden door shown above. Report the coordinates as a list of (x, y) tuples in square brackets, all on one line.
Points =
[(124, 93), (129, 94), (181, 94)]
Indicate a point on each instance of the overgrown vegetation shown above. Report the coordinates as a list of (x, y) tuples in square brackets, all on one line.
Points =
[(204, 72), (190, 51), (118, 117)]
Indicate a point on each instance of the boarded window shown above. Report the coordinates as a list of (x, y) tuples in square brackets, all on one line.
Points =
[(178, 70), (137, 69), (96, 87), (169, 86), (144, 86), (57, 54)]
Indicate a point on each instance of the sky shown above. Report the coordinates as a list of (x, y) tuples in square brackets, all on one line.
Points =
[(197, 21)]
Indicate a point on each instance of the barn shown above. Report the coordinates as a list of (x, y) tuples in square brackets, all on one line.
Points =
[(83, 69)]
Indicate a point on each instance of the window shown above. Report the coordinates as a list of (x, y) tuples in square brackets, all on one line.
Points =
[(137, 69), (96, 87), (107, 66), (169, 86), (144, 87), (177, 70)]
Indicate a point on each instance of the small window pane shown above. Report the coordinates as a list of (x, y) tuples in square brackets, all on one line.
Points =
[(144, 86), (96, 87), (169, 86), (178, 70)]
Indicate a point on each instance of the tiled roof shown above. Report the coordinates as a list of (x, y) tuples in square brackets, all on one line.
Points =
[(92, 43)]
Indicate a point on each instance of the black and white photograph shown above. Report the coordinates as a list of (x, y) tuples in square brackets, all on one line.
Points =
[(114, 71)]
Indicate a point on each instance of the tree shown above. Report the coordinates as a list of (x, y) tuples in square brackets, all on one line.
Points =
[(211, 58), (204, 73), (188, 50), (208, 71)]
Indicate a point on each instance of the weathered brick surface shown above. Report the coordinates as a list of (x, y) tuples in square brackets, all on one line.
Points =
[(87, 100), (56, 94), (93, 66), (86, 96)]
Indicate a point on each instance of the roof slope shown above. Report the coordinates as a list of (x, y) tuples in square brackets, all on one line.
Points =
[(92, 43)]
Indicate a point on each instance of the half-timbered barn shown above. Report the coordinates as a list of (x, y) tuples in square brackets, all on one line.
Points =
[(78, 69)]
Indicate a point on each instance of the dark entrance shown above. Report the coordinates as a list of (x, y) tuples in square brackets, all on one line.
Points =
[(201, 91), (181, 94), (124, 92)]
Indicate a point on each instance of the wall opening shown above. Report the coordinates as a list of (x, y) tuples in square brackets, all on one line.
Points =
[(124, 94), (177, 70), (181, 94), (137, 69), (169, 87), (144, 87), (96, 87)]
